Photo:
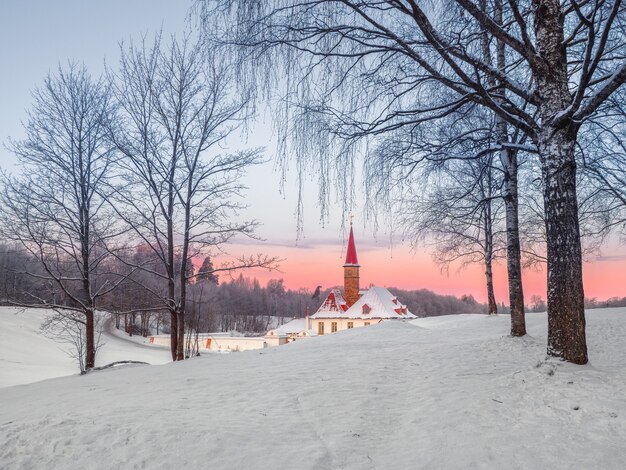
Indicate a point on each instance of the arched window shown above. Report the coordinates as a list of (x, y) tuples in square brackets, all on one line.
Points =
[(366, 309)]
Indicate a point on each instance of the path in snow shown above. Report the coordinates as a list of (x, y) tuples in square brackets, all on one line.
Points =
[(27, 356)]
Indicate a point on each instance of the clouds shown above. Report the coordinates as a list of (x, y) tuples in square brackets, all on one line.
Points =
[(328, 244)]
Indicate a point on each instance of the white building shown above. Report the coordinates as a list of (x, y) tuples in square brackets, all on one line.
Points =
[(293, 330), (358, 307)]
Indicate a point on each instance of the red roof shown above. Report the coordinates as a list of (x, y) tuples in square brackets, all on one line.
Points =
[(351, 254)]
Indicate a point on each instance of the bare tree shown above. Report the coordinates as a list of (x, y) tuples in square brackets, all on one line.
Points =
[(460, 212), (179, 193), (367, 67), (65, 329), (55, 208), (603, 152)]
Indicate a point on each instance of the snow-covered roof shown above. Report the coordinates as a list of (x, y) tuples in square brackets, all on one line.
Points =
[(334, 304), (294, 326), (375, 302)]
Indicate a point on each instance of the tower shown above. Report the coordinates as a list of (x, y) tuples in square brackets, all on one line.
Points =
[(351, 272)]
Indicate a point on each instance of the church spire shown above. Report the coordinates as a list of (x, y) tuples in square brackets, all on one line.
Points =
[(351, 258), (351, 272)]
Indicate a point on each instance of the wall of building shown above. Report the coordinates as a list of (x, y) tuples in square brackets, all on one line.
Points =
[(228, 343), (235, 343), (342, 323)]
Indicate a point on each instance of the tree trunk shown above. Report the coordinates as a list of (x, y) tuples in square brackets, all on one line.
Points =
[(556, 141), (173, 333), (180, 351), (488, 220), (566, 313), (508, 160), (491, 297), (90, 343), (513, 250)]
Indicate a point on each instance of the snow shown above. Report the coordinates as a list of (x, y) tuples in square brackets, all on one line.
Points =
[(296, 325), (447, 392), (26, 355), (334, 304), (383, 304), (379, 299)]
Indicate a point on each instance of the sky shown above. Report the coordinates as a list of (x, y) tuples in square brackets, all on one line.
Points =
[(37, 35)]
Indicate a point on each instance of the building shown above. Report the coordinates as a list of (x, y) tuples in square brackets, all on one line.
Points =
[(224, 342), (355, 307), (294, 330)]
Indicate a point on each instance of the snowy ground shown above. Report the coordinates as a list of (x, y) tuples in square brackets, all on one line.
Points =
[(441, 393), (26, 355)]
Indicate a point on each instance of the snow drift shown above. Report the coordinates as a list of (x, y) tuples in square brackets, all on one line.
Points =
[(445, 392), (26, 355)]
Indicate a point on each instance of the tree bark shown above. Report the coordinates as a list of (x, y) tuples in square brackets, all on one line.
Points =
[(556, 144), (508, 160), (90, 343), (491, 297), (566, 313), (513, 250), (173, 333), (180, 350)]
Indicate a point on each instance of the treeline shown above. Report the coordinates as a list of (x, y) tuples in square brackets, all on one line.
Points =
[(426, 303), (538, 304), (213, 304)]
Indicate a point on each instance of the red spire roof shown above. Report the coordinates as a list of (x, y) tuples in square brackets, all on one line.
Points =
[(351, 259)]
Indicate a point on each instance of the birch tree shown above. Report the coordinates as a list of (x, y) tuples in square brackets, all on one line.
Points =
[(368, 67)]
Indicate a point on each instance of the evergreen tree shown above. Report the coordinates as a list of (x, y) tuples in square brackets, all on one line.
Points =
[(206, 272)]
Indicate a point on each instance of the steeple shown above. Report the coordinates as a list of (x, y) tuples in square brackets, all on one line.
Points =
[(351, 258), (351, 271)]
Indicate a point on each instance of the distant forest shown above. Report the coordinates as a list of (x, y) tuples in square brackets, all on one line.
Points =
[(214, 303), (220, 304)]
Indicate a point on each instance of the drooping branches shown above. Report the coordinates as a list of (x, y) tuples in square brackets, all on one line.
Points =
[(353, 71)]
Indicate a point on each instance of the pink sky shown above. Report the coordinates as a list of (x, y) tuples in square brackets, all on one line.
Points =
[(321, 263)]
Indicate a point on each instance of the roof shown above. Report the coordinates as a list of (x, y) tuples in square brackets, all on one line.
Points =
[(351, 258), (380, 302), (294, 326), (333, 305)]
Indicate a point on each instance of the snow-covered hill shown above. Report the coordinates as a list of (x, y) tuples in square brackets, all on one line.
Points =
[(26, 355), (446, 392)]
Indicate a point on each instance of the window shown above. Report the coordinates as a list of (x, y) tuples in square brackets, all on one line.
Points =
[(333, 327), (320, 328), (350, 324), (366, 309), (366, 323)]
